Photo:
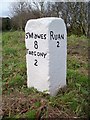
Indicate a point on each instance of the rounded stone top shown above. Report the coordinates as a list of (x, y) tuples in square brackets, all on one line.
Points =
[(43, 21)]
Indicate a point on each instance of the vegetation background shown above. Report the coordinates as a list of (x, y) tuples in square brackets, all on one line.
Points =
[(18, 101)]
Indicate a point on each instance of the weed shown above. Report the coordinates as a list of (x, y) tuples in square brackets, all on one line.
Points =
[(31, 114)]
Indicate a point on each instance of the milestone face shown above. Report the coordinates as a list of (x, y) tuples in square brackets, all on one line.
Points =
[(46, 46)]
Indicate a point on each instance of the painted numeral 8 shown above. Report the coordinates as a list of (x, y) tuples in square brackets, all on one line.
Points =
[(35, 44)]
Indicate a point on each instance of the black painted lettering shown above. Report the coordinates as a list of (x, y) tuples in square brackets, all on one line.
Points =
[(35, 36), (31, 35), (35, 53), (45, 55), (51, 35), (38, 36), (26, 35), (55, 37), (41, 54), (35, 44), (62, 36), (31, 52), (59, 37), (36, 62), (58, 44), (38, 54), (44, 36), (41, 36)]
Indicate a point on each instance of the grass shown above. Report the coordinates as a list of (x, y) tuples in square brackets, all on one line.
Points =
[(19, 101)]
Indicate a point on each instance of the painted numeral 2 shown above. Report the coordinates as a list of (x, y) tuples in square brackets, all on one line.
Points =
[(36, 63), (58, 44)]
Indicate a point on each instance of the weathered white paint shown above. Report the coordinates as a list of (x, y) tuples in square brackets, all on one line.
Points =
[(46, 54)]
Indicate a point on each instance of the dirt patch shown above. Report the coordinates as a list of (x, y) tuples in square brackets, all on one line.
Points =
[(18, 103)]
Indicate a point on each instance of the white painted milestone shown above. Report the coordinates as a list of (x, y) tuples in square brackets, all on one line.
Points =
[(46, 56)]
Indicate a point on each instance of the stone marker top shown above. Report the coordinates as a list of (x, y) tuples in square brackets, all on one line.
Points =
[(43, 21)]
